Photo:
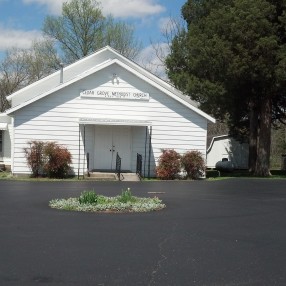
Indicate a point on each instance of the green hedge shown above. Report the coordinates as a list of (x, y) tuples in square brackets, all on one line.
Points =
[(212, 173), (278, 172)]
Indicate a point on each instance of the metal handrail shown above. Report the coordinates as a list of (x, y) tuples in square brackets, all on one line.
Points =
[(118, 166), (139, 165)]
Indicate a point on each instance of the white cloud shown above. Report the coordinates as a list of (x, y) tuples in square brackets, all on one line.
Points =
[(152, 59), (131, 8), (17, 38), (118, 8), (54, 6)]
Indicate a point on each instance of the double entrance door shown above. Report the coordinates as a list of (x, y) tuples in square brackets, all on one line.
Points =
[(110, 140)]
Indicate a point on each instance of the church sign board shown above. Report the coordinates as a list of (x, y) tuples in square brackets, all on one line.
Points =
[(112, 94)]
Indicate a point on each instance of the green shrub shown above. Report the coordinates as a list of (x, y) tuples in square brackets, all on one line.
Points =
[(194, 164), (212, 173), (35, 157), (58, 160), (101, 200), (278, 172), (168, 165), (88, 197), (126, 196)]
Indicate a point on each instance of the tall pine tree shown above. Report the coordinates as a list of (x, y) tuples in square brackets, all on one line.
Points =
[(232, 59)]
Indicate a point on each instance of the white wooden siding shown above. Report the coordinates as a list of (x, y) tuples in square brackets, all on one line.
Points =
[(55, 118)]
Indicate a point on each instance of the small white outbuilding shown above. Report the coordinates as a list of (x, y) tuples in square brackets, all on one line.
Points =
[(100, 106), (226, 147)]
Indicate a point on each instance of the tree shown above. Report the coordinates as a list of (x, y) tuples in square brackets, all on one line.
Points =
[(231, 59), (12, 75), (82, 29), (120, 36), (21, 67)]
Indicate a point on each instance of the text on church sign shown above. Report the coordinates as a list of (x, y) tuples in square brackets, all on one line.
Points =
[(111, 94)]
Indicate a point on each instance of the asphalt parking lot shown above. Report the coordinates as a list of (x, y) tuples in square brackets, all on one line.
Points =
[(228, 232)]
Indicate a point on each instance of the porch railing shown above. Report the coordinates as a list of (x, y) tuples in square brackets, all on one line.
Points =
[(139, 165), (118, 166)]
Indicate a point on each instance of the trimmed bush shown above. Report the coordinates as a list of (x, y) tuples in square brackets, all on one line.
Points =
[(194, 164), (48, 158), (278, 172), (35, 157), (58, 160), (212, 173), (168, 165)]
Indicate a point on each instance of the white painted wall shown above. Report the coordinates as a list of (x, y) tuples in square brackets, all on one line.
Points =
[(227, 147), (55, 118)]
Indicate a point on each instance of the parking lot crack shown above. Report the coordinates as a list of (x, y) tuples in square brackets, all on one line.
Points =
[(163, 257)]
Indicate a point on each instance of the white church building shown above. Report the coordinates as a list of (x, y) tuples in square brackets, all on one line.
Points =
[(100, 106)]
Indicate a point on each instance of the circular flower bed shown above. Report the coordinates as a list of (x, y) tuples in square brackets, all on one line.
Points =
[(89, 201)]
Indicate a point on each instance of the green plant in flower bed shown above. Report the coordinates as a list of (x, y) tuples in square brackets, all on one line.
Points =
[(126, 196), (88, 197), (89, 201)]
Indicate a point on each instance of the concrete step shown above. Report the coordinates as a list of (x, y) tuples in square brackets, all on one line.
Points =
[(130, 177), (101, 176)]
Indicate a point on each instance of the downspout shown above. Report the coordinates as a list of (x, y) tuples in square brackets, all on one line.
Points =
[(78, 152), (84, 154), (12, 144), (145, 152), (149, 160)]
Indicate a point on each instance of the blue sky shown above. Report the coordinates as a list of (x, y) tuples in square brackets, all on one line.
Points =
[(21, 20)]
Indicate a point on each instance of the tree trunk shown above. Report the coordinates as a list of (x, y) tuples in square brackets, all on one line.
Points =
[(264, 140), (253, 134)]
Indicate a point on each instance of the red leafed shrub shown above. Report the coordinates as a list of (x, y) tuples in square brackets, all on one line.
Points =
[(168, 165), (194, 164), (48, 158), (58, 160), (35, 157)]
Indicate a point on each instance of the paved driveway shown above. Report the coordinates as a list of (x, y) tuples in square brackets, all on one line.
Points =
[(230, 232)]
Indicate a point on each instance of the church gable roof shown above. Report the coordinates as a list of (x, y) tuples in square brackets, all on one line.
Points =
[(88, 66)]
